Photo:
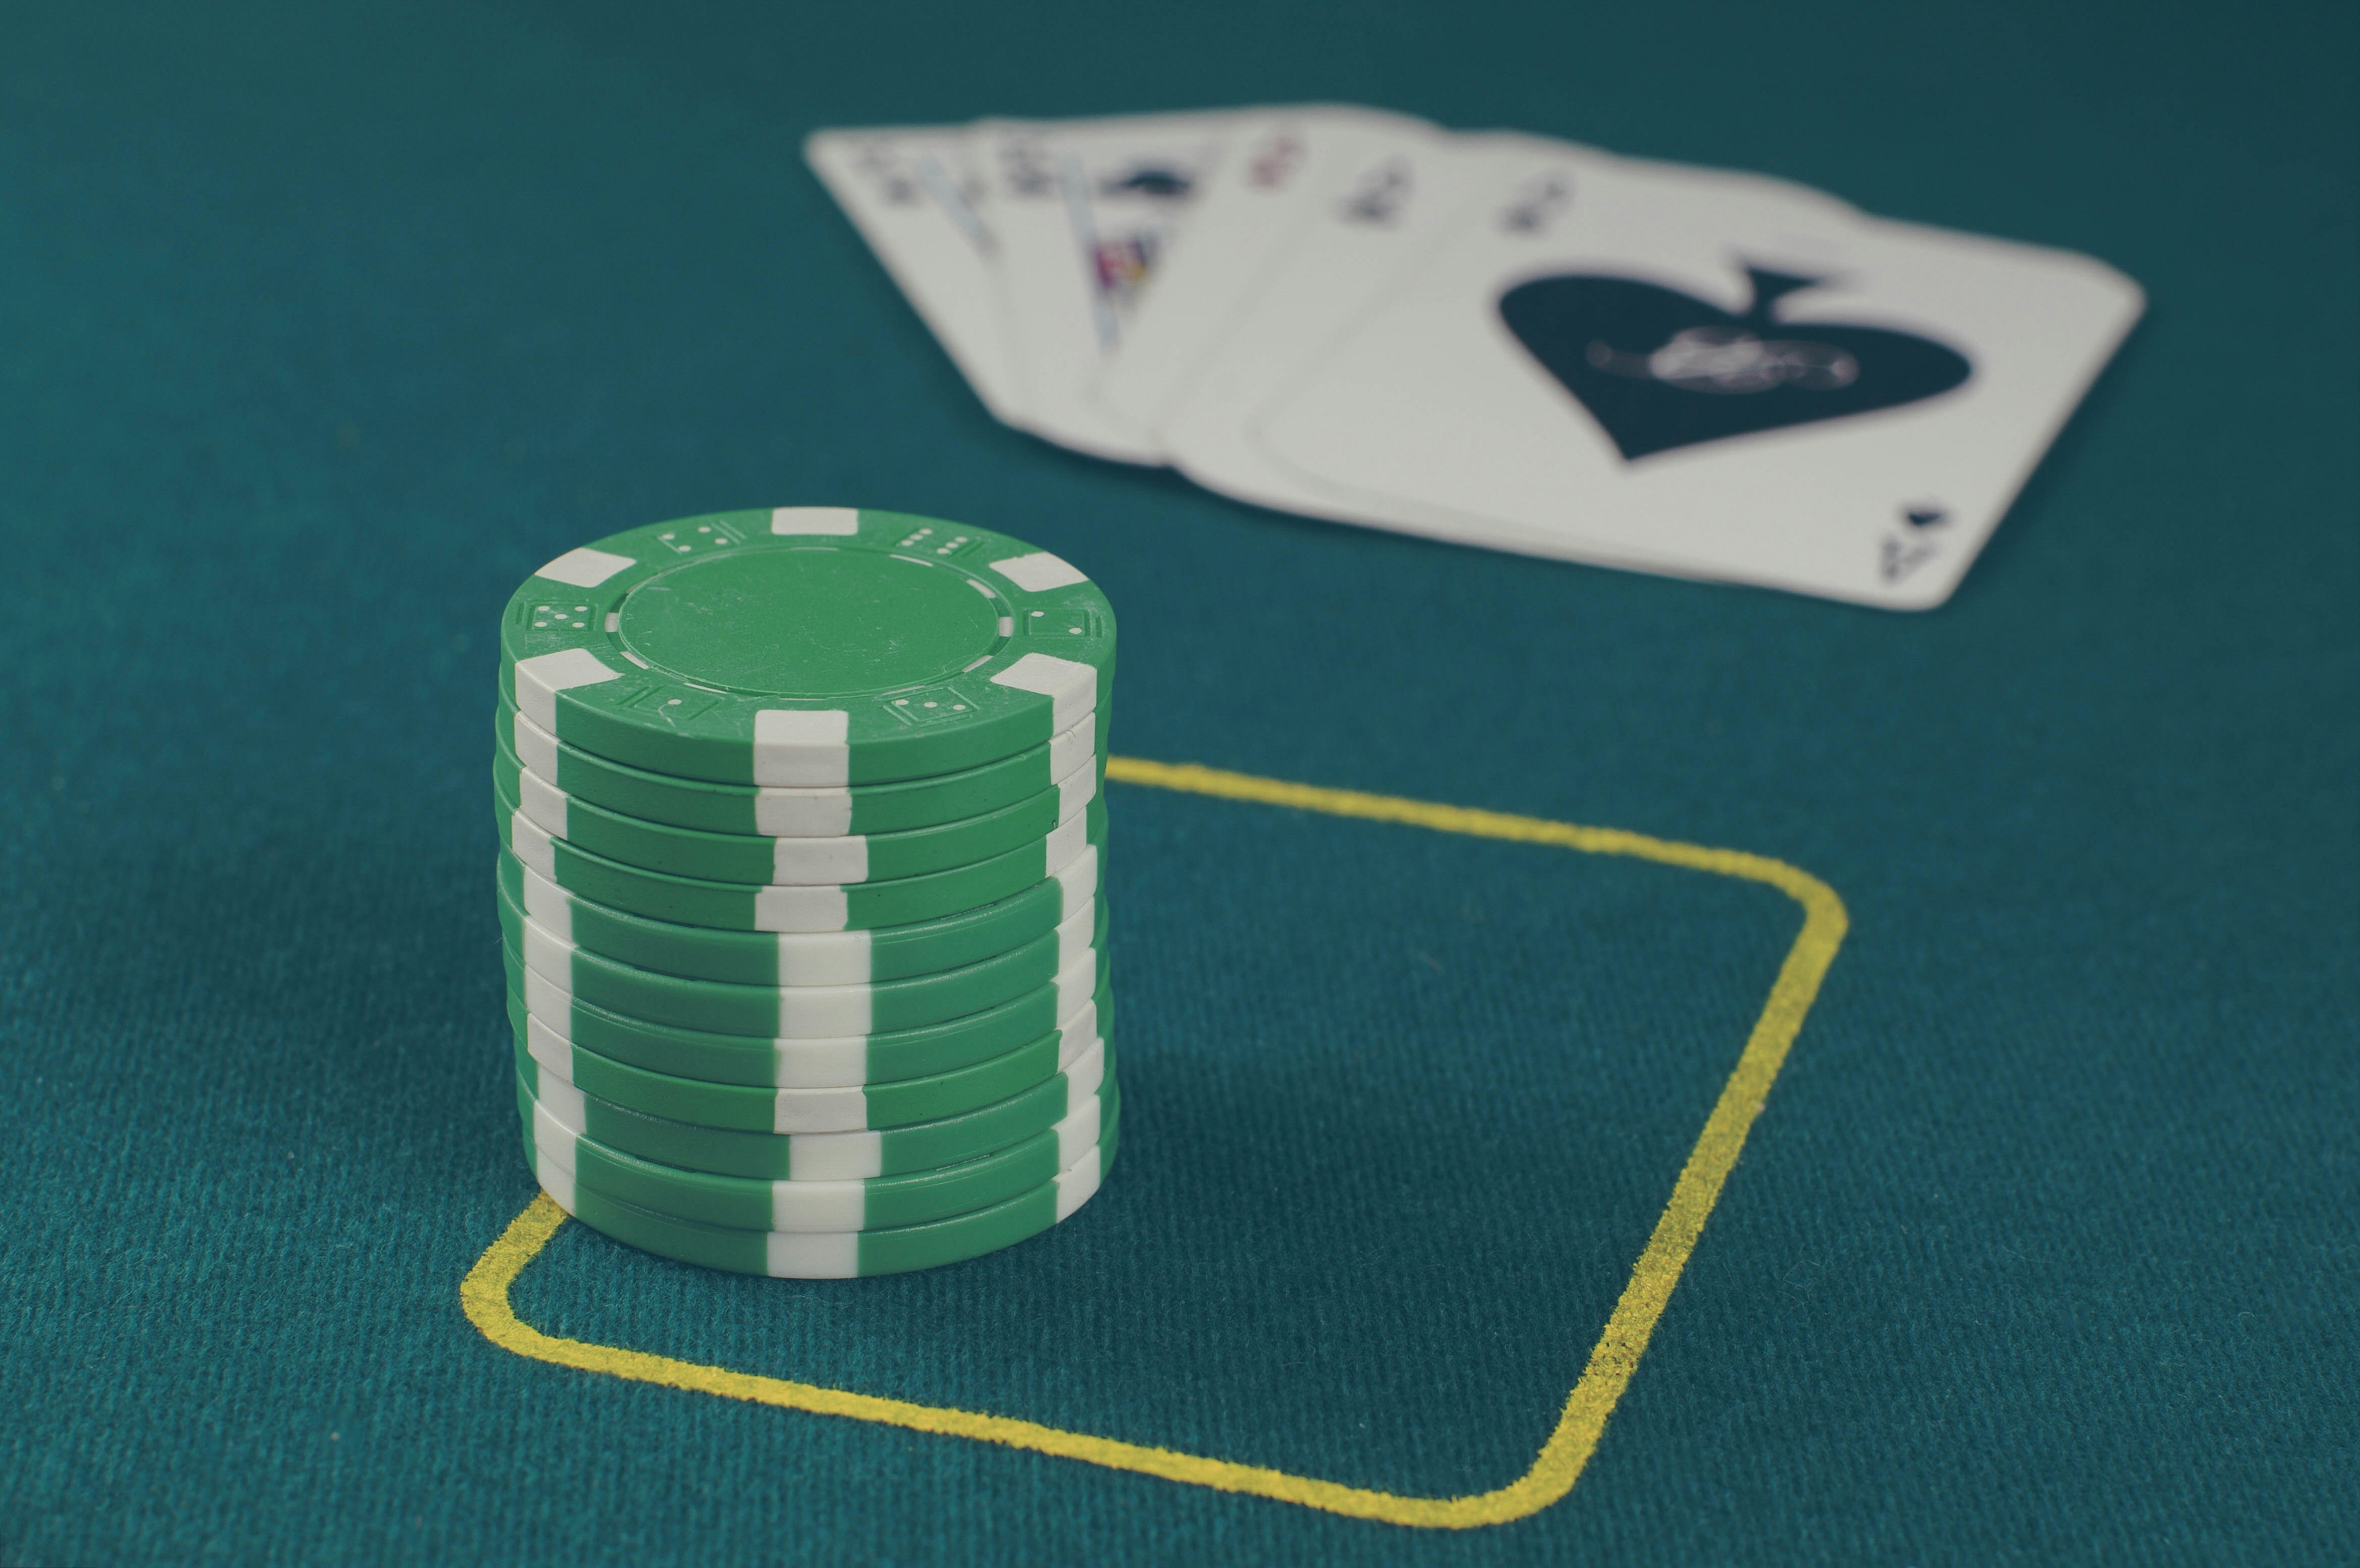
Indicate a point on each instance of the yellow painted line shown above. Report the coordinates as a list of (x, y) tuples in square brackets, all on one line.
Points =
[(1612, 1360)]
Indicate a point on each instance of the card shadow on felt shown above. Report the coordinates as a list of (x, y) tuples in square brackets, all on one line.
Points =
[(1011, 1295)]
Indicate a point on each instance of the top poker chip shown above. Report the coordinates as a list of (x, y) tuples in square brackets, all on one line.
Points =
[(812, 646)]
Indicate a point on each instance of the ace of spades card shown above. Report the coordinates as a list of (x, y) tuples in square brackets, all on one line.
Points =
[(1720, 378)]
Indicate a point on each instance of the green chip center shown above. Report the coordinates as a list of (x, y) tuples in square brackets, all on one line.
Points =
[(809, 622)]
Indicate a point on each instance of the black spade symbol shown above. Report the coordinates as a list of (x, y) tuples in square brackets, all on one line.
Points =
[(1659, 369)]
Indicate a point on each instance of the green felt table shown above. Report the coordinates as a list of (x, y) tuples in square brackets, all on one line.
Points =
[(2015, 940)]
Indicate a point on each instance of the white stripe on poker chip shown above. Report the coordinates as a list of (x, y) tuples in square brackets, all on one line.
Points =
[(547, 1050), (809, 860), (541, 801), (540, 678), (553, 1140), (1065, 840), (585, 568), (802, 746), (1078, 1183), (544, 951), (824, 958), (819, 1064), (1073, 687), (546, 902), (1038, 573), (536, 747), (819, 1110), (834, 1156), (1076, 934), (1078, 1034), (544, 998), (1080, 1129), (812, 1255), (555, 1180), (801, 909), (825, 1012), (559, 1094), (1077, 788), (1078, 878), (1076, 983), (531, 845), (1087, 1074), (1068, 749), (815, 519), (803, 813), (818, 1205), (530, 737)]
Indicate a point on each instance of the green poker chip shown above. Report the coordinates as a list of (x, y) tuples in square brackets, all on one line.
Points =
[(748, 1109), (804, 958), (824, 1156), (560, 1153), (806, 647), (791, 861), (840, 1254), (1062, 1004), (814, 812), (802, 1011), (745, 907)]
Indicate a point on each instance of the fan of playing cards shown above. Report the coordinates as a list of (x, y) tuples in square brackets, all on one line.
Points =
[(1496, 339)]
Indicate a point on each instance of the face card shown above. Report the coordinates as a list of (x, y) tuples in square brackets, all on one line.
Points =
[(1383, 206), (1618, 361), (917, 196), (1250, 210), (1086, 211)]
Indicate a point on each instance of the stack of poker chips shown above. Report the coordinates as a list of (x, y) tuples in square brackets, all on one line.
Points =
[(798, 894)]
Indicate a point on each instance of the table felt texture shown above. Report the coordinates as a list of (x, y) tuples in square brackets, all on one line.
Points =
[(321, 328)]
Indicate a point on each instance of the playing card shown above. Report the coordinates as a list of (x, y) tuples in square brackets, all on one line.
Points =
[(1621, 361), (1503, 176), (1368, 232), (916, 195), (1248, 211), (1085, 211), (1383, 205)]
